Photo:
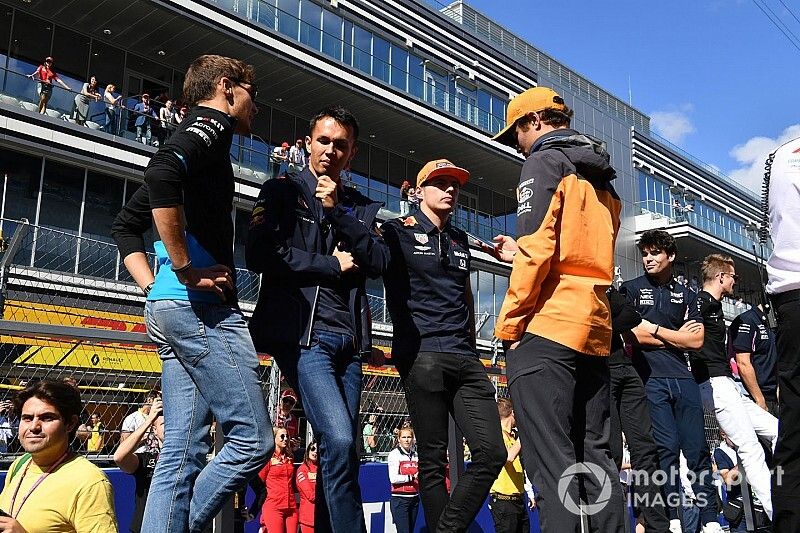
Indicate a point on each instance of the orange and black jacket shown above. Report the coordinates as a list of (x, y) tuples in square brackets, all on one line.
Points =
[(567, 223)]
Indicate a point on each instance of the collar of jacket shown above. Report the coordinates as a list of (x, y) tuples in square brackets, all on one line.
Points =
[(427, 225)]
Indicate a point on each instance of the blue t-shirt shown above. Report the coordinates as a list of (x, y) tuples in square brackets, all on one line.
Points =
[(670, 306), (749, 333), (167, 286)]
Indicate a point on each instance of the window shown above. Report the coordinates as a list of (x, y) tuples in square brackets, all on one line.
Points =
[(311, 22), (416, 76), (20, 176), (60, 211), (331, 35), (362, 50), (380, 59), (484, 109), (347, 50), (266, 14), (399, 71), (98, 254), (108, 64), (498, 118), (5, 34), (288, 17)]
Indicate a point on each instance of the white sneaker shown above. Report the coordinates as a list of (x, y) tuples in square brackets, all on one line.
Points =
[(712, 527), (675, 526)]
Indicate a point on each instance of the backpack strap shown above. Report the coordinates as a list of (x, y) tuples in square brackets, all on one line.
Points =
[(24, 459)]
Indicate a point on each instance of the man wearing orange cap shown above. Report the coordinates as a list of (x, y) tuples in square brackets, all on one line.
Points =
[(555, 320), (430, 301)]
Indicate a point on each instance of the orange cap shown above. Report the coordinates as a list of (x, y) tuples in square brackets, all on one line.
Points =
[(441, 167), (533, 100)]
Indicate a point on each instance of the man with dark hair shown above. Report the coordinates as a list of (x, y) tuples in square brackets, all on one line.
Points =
[(783, 269), (209, 364), (738, 416), (555, 320), (433, 345), (76, 496), (753, 342), (316, 242), (672, 325), (138, 417)]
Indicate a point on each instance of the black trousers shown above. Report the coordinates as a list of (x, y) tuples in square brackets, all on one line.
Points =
[(786, 477), (561, 400), (437, 385), (630, 414), (509, 516)]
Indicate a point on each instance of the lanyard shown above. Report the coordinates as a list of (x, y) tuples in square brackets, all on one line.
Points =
[(35, 485)]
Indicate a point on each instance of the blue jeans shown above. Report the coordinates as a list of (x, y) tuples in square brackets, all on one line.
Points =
[(328, 376), (678, 425), (209, 367), (404, 512)]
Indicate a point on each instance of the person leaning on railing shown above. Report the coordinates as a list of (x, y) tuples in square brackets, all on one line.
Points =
[(46, 75), (112, 102)]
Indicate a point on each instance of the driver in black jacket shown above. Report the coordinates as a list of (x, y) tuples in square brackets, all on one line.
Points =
[(316, 243)]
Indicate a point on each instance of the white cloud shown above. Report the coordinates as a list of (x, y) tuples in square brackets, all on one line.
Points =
[(751, 156), (673, 125)]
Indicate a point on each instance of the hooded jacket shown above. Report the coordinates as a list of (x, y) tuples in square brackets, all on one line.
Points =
[(286, 243), (567, 224)]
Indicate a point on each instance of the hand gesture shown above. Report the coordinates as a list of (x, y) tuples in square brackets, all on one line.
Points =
[(326, 191), (346, 263), (504, 249), (212, 279), (692, 326), (156, 410)]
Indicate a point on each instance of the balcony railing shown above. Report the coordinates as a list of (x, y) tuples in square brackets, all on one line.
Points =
[(679, 214), (440, 93)]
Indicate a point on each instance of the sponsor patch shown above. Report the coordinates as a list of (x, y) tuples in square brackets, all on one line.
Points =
[(421, 238)]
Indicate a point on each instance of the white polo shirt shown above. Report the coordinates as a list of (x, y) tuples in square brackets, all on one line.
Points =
[(783, 267)]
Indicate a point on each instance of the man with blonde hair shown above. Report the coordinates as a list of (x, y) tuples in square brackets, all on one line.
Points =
[(738, 416)]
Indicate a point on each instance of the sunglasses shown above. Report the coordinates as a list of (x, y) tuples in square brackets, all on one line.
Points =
[(251, 88), (283, 437), (312, 449)]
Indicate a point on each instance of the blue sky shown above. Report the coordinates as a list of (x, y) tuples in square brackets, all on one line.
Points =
[(715, 76)]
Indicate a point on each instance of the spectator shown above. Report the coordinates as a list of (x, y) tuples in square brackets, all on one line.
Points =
[(280, 159), (144, 118), (403, 467), (166, 116), (45, 76), (76, 496), (285, 418), (141, 465), (297, 156), (95, 442), (368, 435), (137, 418), (506, 499), (405, 205), (7, 424), (743, 420), (181, 114), (88, 93), (753, 341), (279, 512), (694, 284), (112, 102), (306, 481)]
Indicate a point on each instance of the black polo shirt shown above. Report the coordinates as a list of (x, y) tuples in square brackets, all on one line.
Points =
[(670, 305), (712, 359), (426, 287), (749, 333)]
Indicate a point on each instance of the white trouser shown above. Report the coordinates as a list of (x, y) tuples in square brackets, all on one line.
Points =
[(744, 422)]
